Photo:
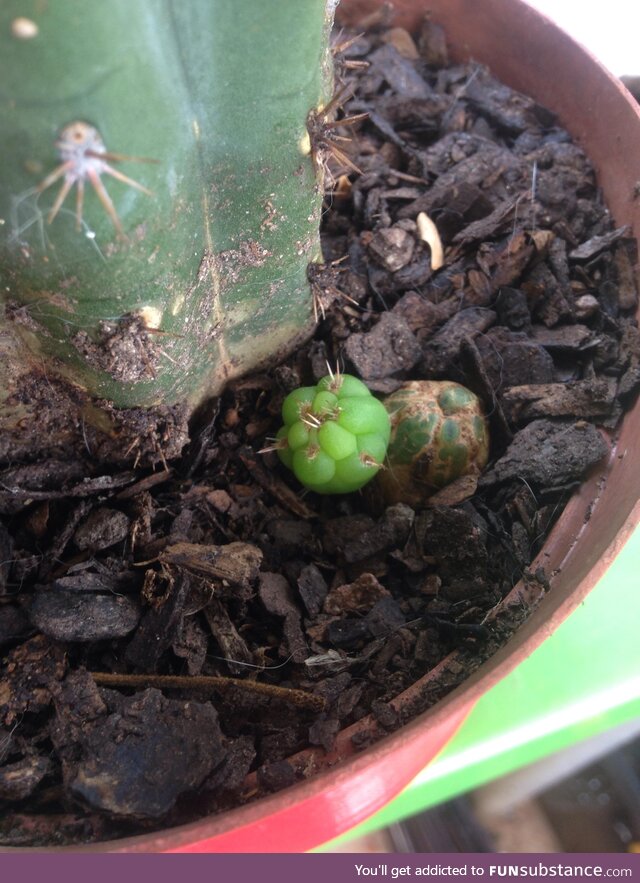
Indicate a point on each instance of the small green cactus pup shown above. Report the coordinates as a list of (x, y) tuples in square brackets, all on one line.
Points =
[(438, 433), (335, 434)]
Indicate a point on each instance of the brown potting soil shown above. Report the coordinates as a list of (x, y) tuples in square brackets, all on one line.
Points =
[(297, 615)]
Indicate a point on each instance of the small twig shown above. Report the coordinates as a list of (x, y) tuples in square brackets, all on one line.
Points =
[(210, 682), (144, 484), (282, 492), (534, 186)]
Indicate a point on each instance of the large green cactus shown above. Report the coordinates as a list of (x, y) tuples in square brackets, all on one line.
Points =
[(209, 278)]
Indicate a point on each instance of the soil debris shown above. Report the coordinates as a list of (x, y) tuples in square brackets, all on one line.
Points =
[(181, 638), (126, 349)]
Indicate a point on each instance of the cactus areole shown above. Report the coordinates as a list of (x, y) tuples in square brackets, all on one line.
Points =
[(159, 205), (438, 434)]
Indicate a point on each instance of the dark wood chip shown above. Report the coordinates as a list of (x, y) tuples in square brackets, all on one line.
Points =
[(14, 624), (392, 247), (29, 674), (160, 623), (356, 597), (597, 244), (53, 829), (145, 484), (384, 618), (272, 483), (511, 358), (441, 352), (313, 589), (83, 616), (101, 529), (391, 530), (564, 338), (549, 454), (388, 348), (137, 761), (230, 774), (513, 309), (275, 776), (581, 398), (236, 562), (323, 732), (232, 647), (277, 596), (6, 557), (432, 43), (191, 643), (399, 72), (20, 779), (488, 226), (347, 633)]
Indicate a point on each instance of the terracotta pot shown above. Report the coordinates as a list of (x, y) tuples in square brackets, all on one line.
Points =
[(530, 54)]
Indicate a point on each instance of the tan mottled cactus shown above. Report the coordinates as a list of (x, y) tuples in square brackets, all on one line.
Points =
[(438, 434)]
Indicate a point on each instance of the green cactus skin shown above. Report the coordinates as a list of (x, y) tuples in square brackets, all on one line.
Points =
[(211, 279), (438, 434), (335, 434)]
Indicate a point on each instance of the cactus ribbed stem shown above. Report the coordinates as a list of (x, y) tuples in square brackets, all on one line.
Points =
[(210, 280)]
